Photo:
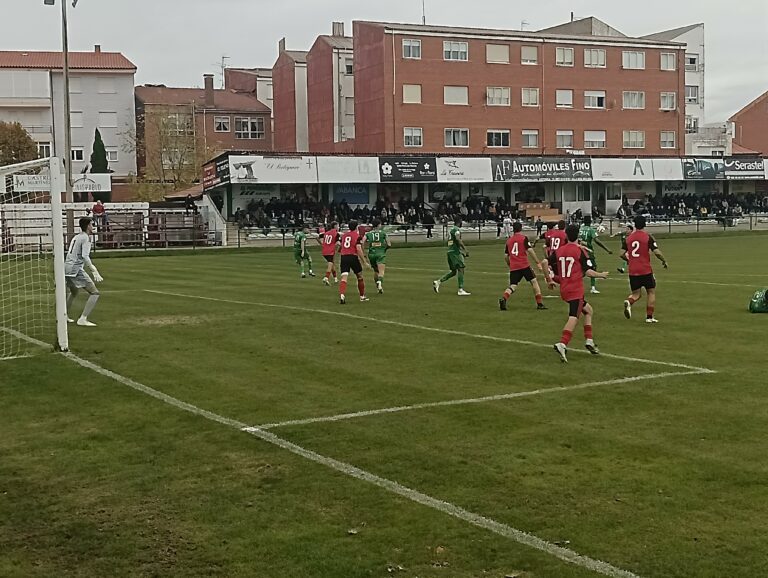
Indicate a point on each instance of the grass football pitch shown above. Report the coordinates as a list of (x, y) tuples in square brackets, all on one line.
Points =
[(229, 418)]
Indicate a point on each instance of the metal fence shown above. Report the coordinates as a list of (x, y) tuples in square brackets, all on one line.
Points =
[(152, 230)]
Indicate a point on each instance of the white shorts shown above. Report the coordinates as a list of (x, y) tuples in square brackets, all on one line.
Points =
[(81, 281)]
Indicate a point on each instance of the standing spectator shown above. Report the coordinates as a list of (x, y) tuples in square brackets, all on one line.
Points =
[(189, 205), (99, 213), (428, 221), (539, 226)]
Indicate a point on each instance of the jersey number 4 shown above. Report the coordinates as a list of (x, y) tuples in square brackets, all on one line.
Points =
[(635, 252), (566, 266), (515, 251)]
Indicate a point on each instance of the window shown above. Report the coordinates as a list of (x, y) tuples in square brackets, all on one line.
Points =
[(692, 62), (594, 58), (221, 124), (594, 139), (112, 154), (249, 128), (564, 56), (349, 105), (691, 124), (634, 139), (106, 85), (349, 67), (179, 124), (412, 136), (667, 139), (530, 97), (564, 139), (455, 95), (497, 138), (497, 96), (594, 99), (529, 55), (455, 51), (668, 101), (497, 53), (668, 61), (76, 119), (411, 48), (412, 94), (457, 137), (44, 150), (173, 157), (75, 85), (77, 155), (633, 100), (691, 94), (633, 60), (530, 139), (107, 120), (564, 98)]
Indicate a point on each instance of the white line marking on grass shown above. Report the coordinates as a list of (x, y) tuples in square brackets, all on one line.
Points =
[(487, 398), (27, 338), (504, 530), (425, 328)]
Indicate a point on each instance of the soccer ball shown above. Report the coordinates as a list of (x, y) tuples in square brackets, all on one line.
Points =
[(601, 229)]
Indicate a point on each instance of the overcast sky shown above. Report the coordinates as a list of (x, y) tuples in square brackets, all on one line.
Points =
[(174, 42)]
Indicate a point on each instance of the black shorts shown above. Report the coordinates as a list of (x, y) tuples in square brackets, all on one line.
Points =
[(575, 307), (329, 258), (637, 282), (351, 262), (519, 274)]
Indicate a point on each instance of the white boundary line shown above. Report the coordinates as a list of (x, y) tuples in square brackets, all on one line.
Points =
[(499, 528), (487, 398), (426, 328)]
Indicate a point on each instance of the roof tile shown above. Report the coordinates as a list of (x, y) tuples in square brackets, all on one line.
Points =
[(55, 60)]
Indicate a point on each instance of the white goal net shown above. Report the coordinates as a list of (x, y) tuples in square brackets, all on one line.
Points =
[(31, 259)]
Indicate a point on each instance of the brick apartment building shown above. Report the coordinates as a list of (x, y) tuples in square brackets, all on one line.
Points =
[(180, 128), (289, 110), (750, 126), (451, 90)]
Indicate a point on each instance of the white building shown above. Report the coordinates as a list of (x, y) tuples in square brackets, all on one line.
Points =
[(101, 96)]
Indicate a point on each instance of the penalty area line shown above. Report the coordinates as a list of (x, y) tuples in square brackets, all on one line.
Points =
[(499, 528), (472, 400), (425, 328)]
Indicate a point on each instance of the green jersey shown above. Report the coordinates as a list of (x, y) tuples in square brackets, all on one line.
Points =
[(587, 236), (454, 236), (297, 240), (376, 241)]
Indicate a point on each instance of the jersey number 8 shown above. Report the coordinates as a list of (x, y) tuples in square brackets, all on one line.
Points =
[(347, 242)]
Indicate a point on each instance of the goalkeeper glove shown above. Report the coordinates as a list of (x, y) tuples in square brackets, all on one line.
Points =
[(96, 276)]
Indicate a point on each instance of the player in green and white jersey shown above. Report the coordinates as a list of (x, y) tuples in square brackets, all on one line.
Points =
[(377, 243), (300, 252), (456, 253), (623, 234), (588, 238)]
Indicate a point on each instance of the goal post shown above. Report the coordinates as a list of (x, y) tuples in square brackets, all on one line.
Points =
[(33, 315)]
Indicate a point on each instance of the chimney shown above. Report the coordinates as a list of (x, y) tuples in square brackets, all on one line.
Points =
[(97, 48), (281, 45), (208, 79), (338, 29)]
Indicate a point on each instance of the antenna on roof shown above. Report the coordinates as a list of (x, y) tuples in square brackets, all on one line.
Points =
[(222, 65), (523, 24), (571, 16), (423, 13)]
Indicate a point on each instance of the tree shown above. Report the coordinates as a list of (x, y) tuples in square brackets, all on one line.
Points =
[(16, 146), (99, 163)]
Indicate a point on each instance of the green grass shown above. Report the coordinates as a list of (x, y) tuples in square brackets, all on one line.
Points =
[(661, 477)]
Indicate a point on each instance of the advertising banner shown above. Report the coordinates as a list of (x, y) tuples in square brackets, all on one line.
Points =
[(415, 169), (215, 173), (82, 183), (620, 170), (703, 169), (248, 169), (744, 168), (667, 169), (353, 194), (348, 169), (542, 169), (464, 169)]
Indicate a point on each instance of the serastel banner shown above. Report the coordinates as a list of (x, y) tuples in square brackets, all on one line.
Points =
[(744, 168), (408, 169), (542, 168)]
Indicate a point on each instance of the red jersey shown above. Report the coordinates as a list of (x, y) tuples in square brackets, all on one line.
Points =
[(638, 246), (516, 249), (570, 263), (553, 240), (328, 241), (349, 242)]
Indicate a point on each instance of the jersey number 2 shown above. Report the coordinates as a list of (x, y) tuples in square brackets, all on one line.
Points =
[(635, 249)]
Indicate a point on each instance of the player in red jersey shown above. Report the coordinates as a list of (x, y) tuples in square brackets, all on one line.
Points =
[(637, 248), (570, 264), (352, 258), (329, 240), (554, 238), (516, 254)]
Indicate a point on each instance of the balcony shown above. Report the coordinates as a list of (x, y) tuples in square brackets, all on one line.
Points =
[(43, 129)]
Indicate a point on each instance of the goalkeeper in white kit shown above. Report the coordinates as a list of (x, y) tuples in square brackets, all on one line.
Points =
[(78, 256)]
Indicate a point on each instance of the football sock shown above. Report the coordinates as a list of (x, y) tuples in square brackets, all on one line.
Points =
[(361, 286), (461, 280), (343, 287), (380, 280), (447, 276), (631, 300), (327, 274), (538, 299), (593, 281), (508, 294), (566, 338), (89, 305), (333, 272), (649, 312), (587, 332), (70, 299), (302, 267)]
